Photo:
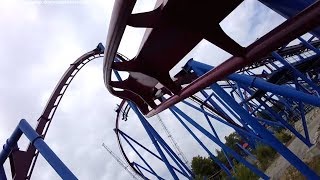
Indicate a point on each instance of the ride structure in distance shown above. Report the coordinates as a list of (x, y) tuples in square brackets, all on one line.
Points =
[(270, 77), (264, 86)]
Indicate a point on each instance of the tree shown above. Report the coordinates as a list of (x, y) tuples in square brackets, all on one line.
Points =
[(232, 140), (203, 167), (221, 157), (244, 173), (265, 155)]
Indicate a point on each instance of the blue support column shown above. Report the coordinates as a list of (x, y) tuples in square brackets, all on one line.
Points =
[(147, 128), (11, 142), (304, 121), (265, 134), (249, 134), (309, 46), (295, 71), (212, 138), (246, 151), (139, 166), (2, 173), (242, 98), (276, 89), (302, 114), (213, 157), (268, 87), (144, 161), (163, 157), (216, 134), (134, 164), (125, 136), (230, 110), (214, 104), (172, 154), (37, 141), (272, 141), (45, 151), (289, 8), (218, 108)]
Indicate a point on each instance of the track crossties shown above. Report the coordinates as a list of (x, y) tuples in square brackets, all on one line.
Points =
[(175, 27)]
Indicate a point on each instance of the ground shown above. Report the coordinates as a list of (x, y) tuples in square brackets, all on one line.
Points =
[(280, 167)]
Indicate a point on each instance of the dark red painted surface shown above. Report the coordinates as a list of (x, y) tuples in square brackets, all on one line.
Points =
[(175, 27)]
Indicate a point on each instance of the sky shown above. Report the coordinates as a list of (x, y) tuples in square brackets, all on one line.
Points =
[(38, 42)]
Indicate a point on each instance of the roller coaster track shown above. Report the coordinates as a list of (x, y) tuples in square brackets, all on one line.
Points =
[(284, 52), (122, 111), (22, 168), (148, 71), (122, 114), (121, 107)]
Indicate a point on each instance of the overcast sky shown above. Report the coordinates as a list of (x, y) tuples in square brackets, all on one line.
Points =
[(39, 40)]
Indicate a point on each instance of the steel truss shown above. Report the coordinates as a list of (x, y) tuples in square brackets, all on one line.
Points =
[(283, 89)]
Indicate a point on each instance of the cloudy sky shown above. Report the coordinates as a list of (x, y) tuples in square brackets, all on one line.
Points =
[(39, 40)]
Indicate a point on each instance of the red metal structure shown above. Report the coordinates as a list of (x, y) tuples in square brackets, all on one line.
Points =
[(175, 27), (173, 32), (23, 162)]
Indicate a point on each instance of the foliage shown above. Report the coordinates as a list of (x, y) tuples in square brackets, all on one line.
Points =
[(265, 155), (203, 167), (232, 140), (283, 136), (221, 156), (263, 115), (293, 173), (244, 173)]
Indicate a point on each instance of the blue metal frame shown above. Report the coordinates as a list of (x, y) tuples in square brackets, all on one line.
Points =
[(243, 131), (289, 8), (217, 136), (2, 173), (140, 156), (125, 136), (157, 141), (215, 105), (295, 71), (246, 151), (173, 155), (283, 122), (264, 133), (213, 157), (37, 141), (232, 100), (137, 166), (219, 143)]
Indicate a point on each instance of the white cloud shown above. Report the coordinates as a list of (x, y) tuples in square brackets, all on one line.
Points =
[(39, 41)]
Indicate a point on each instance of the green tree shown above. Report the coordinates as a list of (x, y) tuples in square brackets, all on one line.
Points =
[(283, 136), (232, 140), (265, 155), (221, 156), (203, 167), (243, 173)]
